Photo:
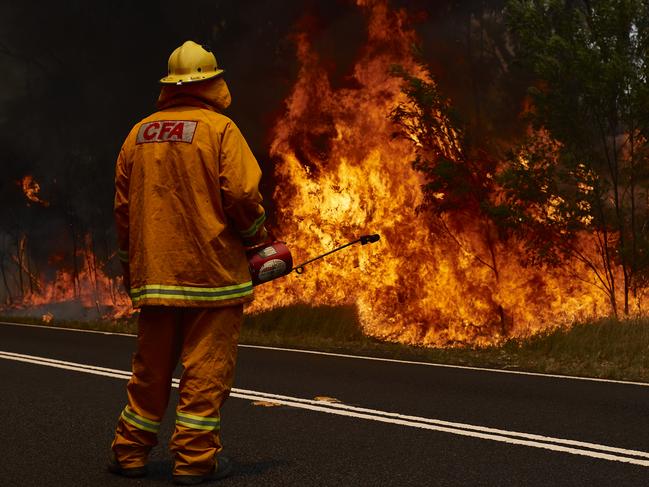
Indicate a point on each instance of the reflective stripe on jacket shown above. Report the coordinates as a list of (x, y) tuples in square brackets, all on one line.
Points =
[(186, 199)]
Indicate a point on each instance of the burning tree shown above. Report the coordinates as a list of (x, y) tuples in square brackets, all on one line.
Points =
[(460, 185), (584, 169)]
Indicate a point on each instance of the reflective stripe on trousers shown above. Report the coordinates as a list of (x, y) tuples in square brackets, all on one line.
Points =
[(198, 422), (140, 422)]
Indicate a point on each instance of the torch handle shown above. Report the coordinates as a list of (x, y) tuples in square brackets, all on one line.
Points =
[(364, 239)]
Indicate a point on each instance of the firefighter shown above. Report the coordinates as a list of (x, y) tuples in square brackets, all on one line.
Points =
[(187, 204)]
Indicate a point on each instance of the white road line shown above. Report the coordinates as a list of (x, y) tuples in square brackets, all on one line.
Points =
[(450, 366), (374, 359), (439, 422), (574, 447), (59, 364), (62, 328)]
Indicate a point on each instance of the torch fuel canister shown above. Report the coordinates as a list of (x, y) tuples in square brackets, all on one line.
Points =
[(269, 262)]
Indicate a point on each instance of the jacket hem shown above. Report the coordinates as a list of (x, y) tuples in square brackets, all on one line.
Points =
[(181, 303)]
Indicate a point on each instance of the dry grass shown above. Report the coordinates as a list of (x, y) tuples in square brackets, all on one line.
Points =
[(606, 348)]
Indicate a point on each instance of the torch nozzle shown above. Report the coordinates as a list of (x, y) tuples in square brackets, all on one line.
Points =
[(365, 239)]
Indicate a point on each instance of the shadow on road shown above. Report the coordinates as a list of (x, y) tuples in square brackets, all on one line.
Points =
[(160, 471)]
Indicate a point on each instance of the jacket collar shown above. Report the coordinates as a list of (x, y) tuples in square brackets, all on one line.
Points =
[(212, 95)]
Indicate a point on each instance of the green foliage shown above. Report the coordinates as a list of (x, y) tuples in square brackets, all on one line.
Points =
[(455, 182), (545, 204), (589, 99), (590, 66)]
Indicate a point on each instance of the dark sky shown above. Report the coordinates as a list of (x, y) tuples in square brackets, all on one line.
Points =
[(100, 61), (78, 74)]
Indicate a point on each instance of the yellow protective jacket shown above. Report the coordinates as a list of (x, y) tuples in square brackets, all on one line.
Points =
[(187, 201)]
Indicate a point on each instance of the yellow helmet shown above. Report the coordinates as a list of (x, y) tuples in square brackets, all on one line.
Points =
[(190, 63)]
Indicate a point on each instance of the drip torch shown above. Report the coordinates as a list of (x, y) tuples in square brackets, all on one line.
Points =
[(270, 261)]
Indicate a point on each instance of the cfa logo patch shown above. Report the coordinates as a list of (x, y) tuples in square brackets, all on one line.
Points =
[(167, 131)]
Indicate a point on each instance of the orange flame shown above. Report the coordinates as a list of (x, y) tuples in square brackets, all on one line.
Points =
[(340, 173), (31, 189), (88, 286)]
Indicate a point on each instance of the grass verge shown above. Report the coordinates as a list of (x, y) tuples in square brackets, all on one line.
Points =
[(606, 348)]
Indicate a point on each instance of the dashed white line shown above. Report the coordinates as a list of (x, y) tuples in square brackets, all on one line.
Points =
[(574, 447)]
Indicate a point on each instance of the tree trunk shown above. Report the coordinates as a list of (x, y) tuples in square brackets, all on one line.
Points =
[(8, 299), (19, 261), (75, 266)]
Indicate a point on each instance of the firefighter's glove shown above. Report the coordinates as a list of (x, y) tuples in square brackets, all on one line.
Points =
[(261, 238)]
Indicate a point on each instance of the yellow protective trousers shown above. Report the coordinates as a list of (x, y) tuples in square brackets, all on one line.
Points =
[(205, 340)]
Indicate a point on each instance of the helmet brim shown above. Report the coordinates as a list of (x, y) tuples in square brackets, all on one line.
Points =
[(182, 79)]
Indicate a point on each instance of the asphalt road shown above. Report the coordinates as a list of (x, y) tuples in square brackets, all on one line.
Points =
[(397, 424)]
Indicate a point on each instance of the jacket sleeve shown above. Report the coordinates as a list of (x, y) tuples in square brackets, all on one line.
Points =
[(122, 175), (239, 176)]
